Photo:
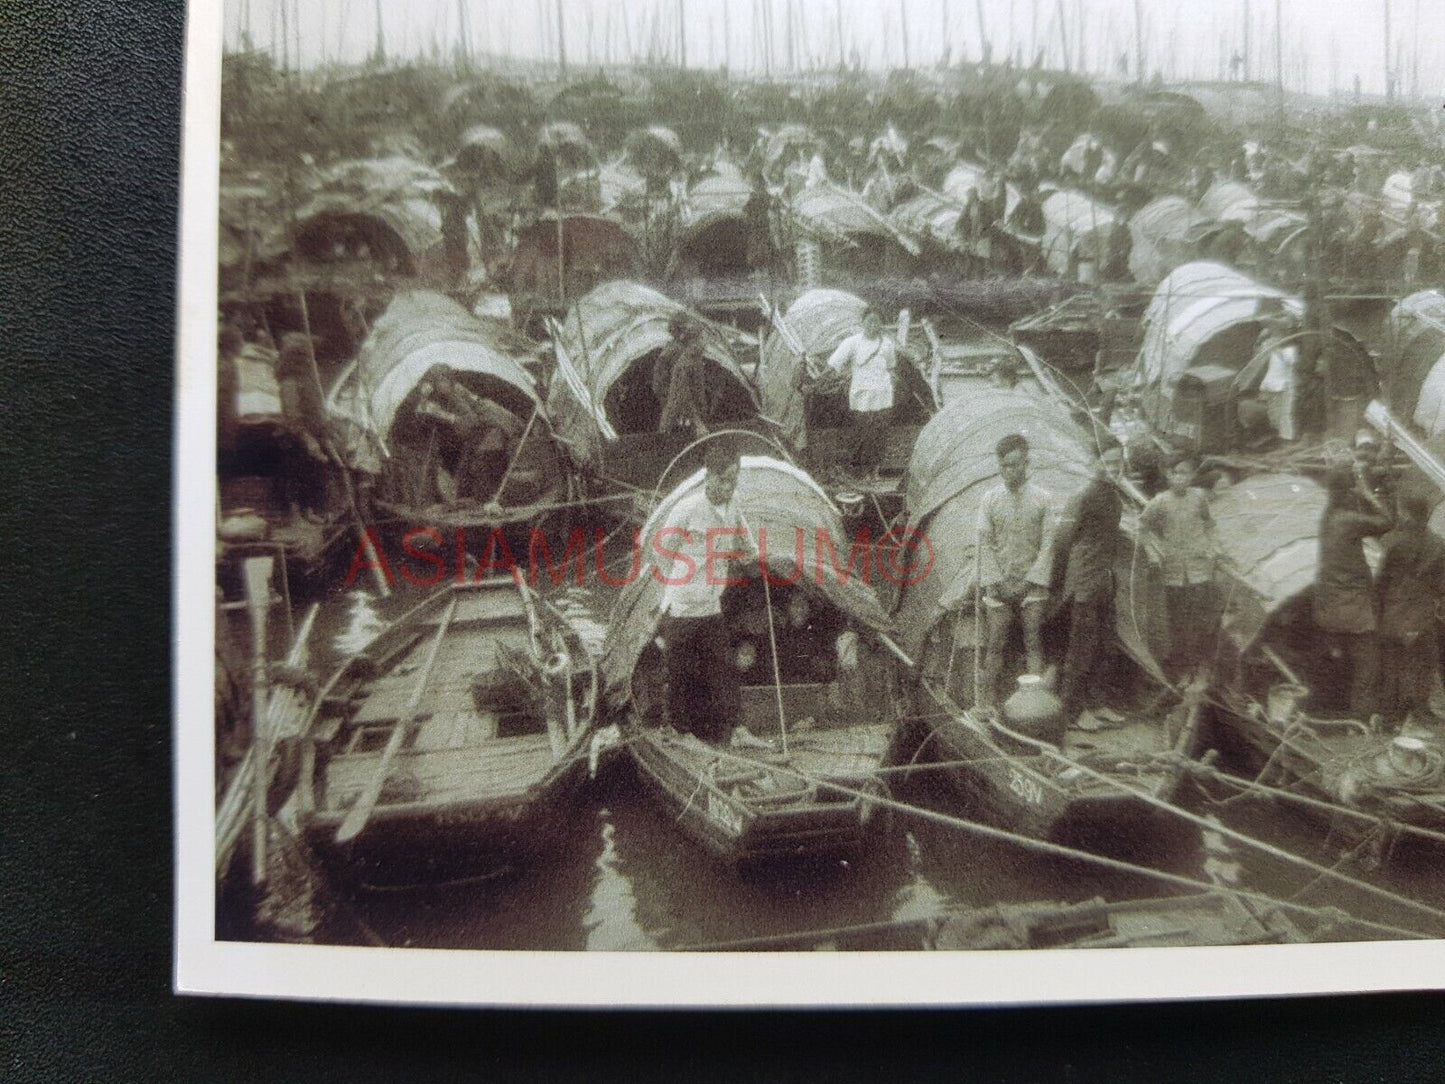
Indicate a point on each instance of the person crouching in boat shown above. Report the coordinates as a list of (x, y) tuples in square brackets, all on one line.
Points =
[(1015, 547), (703, 695), (868, 359), (1091, 541)]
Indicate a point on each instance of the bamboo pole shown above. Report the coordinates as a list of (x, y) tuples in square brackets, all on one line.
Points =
[(903, 29), (681, 35), (257, 572), (1248, 18), (364, 539), (1279, 53), (561, 43), (1063, 33), (360, 813), (1389, 76), (1138, 41)]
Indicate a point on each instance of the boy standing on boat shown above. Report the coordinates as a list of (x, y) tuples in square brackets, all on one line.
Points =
[(1016, 536), (703, 697), (868, 359), (1180, 523)]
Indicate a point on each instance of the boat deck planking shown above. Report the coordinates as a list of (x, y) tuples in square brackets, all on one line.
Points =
[(489, 769)]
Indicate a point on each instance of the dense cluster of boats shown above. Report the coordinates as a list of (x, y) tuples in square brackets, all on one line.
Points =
[(443, 329)]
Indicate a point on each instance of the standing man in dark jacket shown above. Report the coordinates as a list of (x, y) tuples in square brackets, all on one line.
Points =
[(1344, 602), (1410, 587), (1090, 539)]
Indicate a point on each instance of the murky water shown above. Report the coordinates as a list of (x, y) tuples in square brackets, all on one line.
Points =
[(627, 879)]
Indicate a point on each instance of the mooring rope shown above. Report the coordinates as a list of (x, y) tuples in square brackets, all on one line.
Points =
[(1214, 826), (1330, 915)]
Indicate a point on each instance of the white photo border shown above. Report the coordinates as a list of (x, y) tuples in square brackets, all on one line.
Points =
[(204, 965)]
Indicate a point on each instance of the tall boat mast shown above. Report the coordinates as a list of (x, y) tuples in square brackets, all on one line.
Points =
[(1247, 20), (1389, 73), (681, 35), (561, 43), (1139, 41)]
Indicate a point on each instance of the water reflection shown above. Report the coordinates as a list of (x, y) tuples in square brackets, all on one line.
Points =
[(359, 626), (626, 878), (611, 919)]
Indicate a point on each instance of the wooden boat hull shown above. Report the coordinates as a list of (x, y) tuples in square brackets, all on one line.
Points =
[(800, 822), (404, 847), (1319, 763), (1044, 797), (449, 749)]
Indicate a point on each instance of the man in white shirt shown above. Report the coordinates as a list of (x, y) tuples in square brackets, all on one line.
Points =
[(1015, 563), (1277, 355), (868, 360), (702, 530)]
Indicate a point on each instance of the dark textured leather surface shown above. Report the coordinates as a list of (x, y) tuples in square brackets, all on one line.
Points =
[(89, 115)]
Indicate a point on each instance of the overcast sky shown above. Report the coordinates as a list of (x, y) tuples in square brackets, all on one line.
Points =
[(1326, 43)]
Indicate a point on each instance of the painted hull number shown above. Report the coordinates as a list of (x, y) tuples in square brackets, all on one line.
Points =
[(1030, 790)]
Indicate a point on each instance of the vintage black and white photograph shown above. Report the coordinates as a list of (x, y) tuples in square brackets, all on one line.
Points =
[(762, 478)]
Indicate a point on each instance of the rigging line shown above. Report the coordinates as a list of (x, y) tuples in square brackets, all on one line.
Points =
[(1062, 851), (1248, 787), (1214, 826)]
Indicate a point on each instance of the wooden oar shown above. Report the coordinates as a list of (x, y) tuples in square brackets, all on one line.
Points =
[(257, 571), (361, 812)]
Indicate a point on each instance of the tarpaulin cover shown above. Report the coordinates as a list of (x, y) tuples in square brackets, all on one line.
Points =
[(965, 177), (620, 187), (1194, 304), (654, 150), (605, 333), (1268, 529), (954, 465), (835, 214), (1160, 232), (787, 138), (566, 140), (1232, 201), (711, 200), (818, 321), (773, 497), (932, 217), (1417, 332), (397, 193), (1074, 223), (418, 330)]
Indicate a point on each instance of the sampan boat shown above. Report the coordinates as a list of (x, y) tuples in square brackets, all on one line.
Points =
[(1120, 762), (1282, 690), (824, 712), (454, 744)]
